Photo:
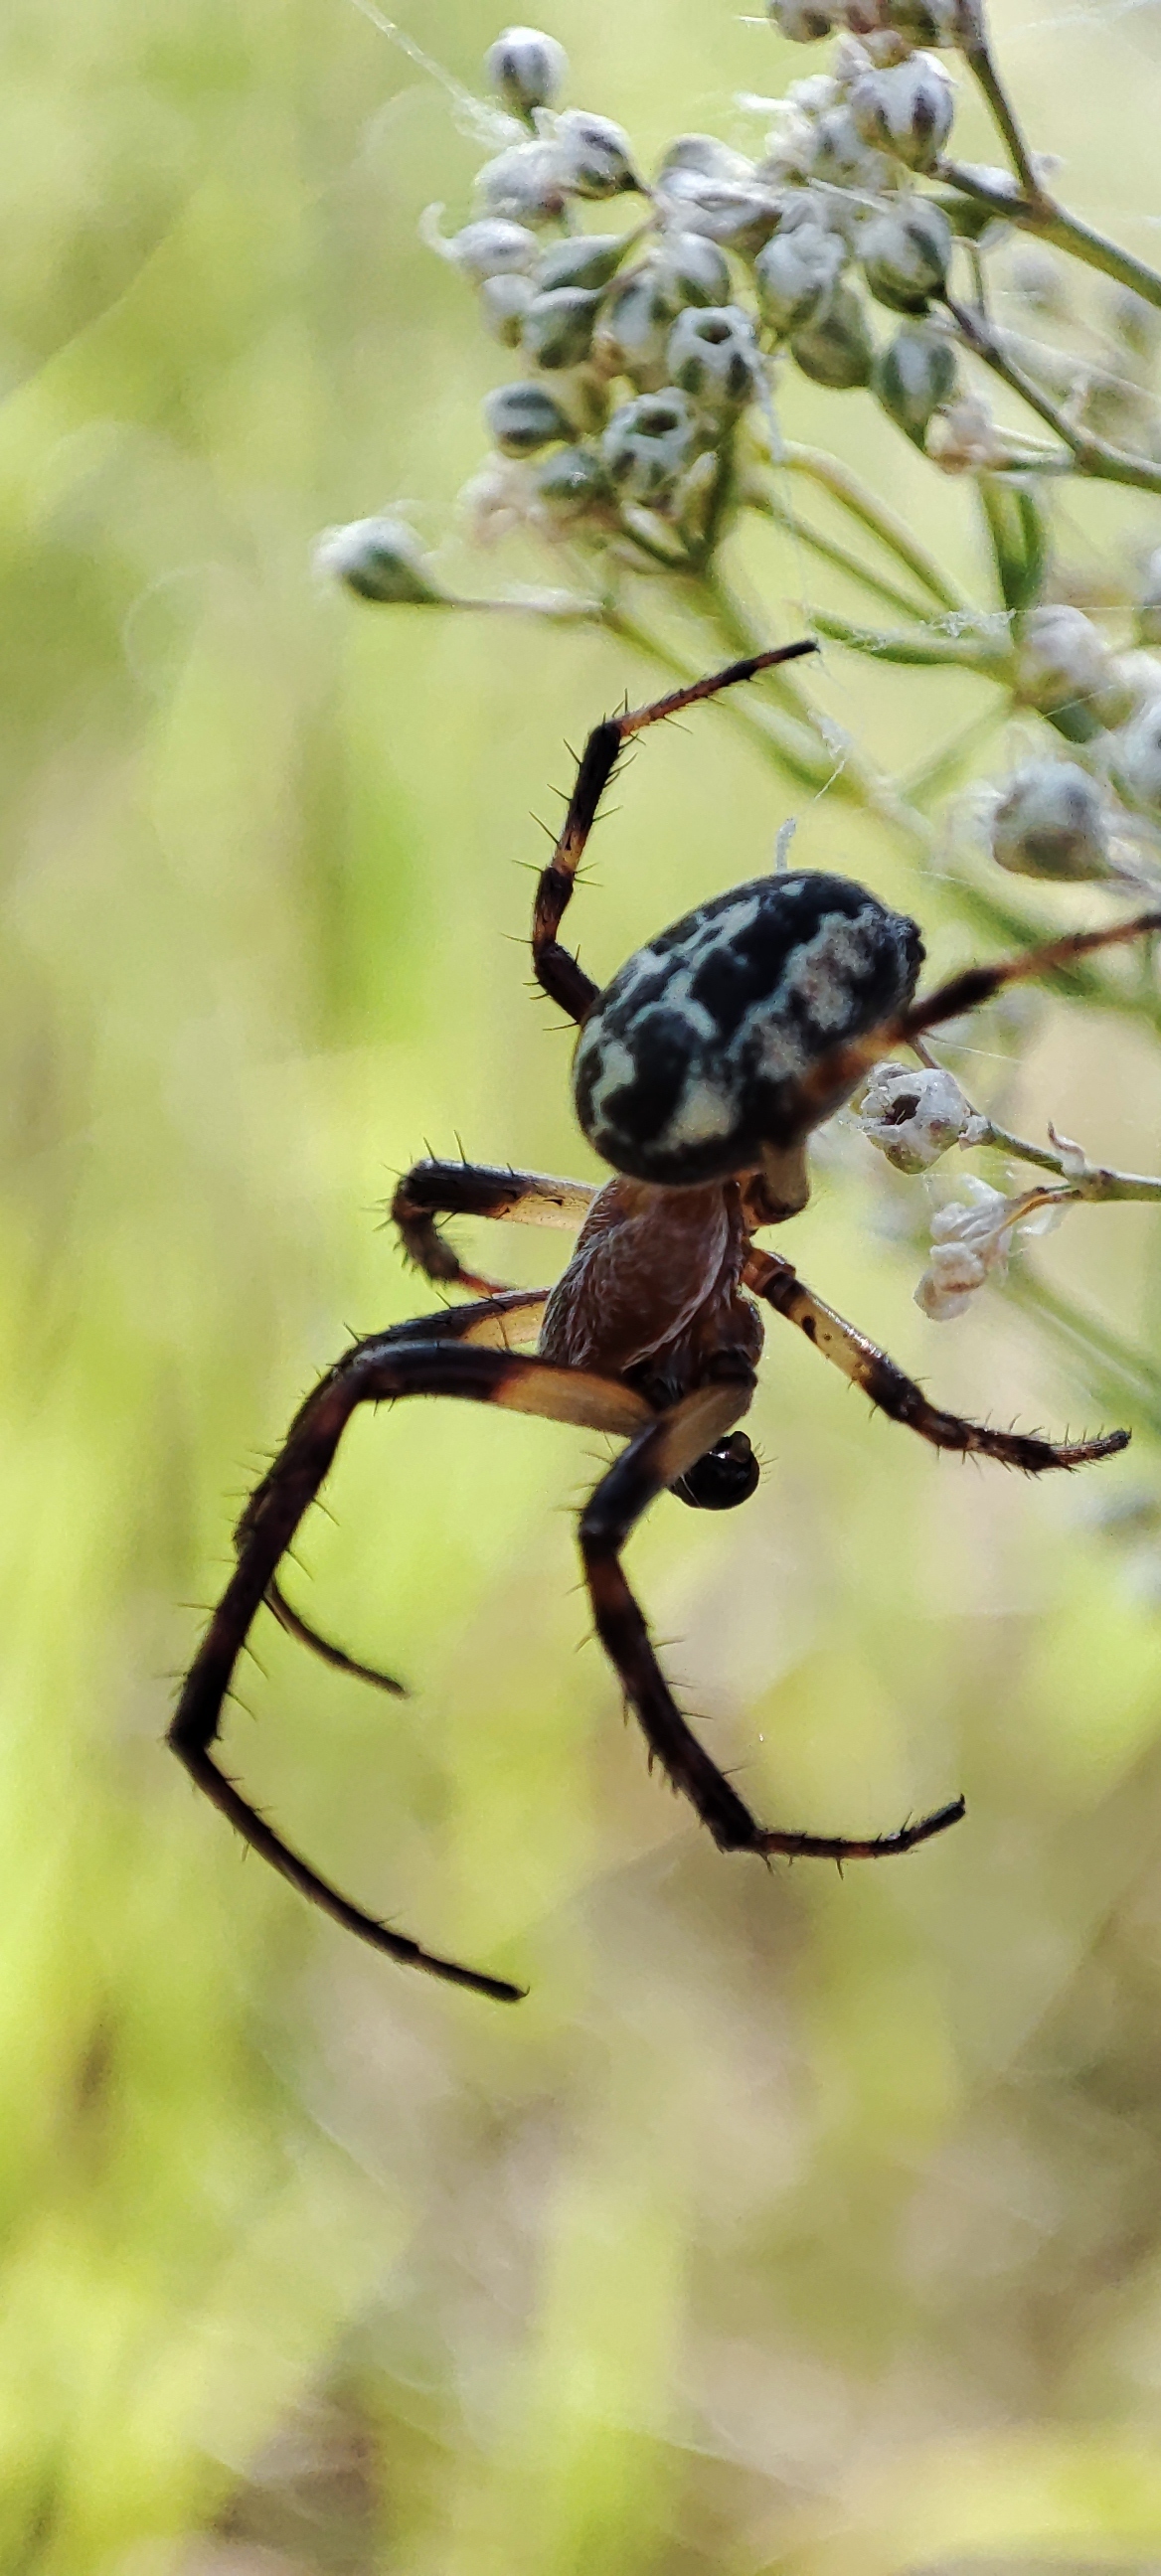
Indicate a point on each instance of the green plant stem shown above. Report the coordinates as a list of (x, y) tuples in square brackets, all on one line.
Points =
[(1039, 213), (874, 515), (1090, 455), (554, 605), (1094, 1182), (978, 56), (961, 652), (766, 505), (939, 769), (788, 744)]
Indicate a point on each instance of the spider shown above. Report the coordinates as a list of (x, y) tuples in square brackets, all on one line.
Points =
[(699, 1074)]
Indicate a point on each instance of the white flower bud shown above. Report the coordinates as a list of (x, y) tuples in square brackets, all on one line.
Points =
[(379, 559), (558, 327), (1136, 756), (524, 418), (594, 155), (573, 484), (707, 189), (1136, 323), (498, 499), (713, 355), (953, 1274), (691, 270), (489, 248), (836, 349), (926, 22), (1134, 682), (584, 259), (690, 158), (796, 273), (524, 185), (913, 1115), (1062, 661), (526, 69), (905, 253), (914, 377), (971, 1241), (841, 155), (1051, 822), (906, 110), (802, 21), (647, 445), (504, 302), (812, 97), (963, 438), (633, 329), (864, 19)]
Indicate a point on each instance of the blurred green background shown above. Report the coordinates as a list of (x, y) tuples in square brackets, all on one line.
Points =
[(792, 2222)]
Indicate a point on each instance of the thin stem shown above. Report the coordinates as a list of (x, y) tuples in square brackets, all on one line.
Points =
[(1051, 222), (970, 652), (768, 506), (850, 773), (1085, 1181), (940, 769), (1090, 455), (873, 514), (787, 743), (973, 39), (556, 605)]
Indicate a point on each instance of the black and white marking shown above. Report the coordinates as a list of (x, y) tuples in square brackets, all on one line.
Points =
[(692, 1059)]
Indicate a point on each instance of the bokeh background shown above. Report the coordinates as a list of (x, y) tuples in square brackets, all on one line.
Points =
[(792, 2222)]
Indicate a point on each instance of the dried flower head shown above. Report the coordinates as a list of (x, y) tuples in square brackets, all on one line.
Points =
[(913, 1113)]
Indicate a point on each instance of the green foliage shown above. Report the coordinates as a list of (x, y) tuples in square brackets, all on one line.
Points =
[(792, 2223)]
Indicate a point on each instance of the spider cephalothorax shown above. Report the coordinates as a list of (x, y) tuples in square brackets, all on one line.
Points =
[(701, 1071)]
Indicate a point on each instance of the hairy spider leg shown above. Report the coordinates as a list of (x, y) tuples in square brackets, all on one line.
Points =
[(861, 1360), (432, 1189), (484, 1323), (375, 1371), (557, 972), (651, 1463), (835, 1075)]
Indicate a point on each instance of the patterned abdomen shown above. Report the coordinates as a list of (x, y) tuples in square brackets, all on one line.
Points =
[(692, 1059)]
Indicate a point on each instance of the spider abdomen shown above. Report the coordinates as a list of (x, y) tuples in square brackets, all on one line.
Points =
[(691, 1062)]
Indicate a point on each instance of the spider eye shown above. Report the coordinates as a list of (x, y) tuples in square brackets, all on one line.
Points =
[(727, 1475)]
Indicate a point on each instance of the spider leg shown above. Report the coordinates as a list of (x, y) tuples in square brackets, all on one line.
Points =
[(483, 1323), (433, 1189), (867, 1366), (833, 1078), (373, 1372), (662, 1452), (557, 972)]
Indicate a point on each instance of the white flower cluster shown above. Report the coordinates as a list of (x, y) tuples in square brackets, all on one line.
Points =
[(1056, 818), (971, 1242), (645, 354)]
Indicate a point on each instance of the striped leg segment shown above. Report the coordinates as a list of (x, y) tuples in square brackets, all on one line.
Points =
[(432, 1189), (867, 1366), (374, 1372), (661, 1454), (495, 1323), (557, 972)]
